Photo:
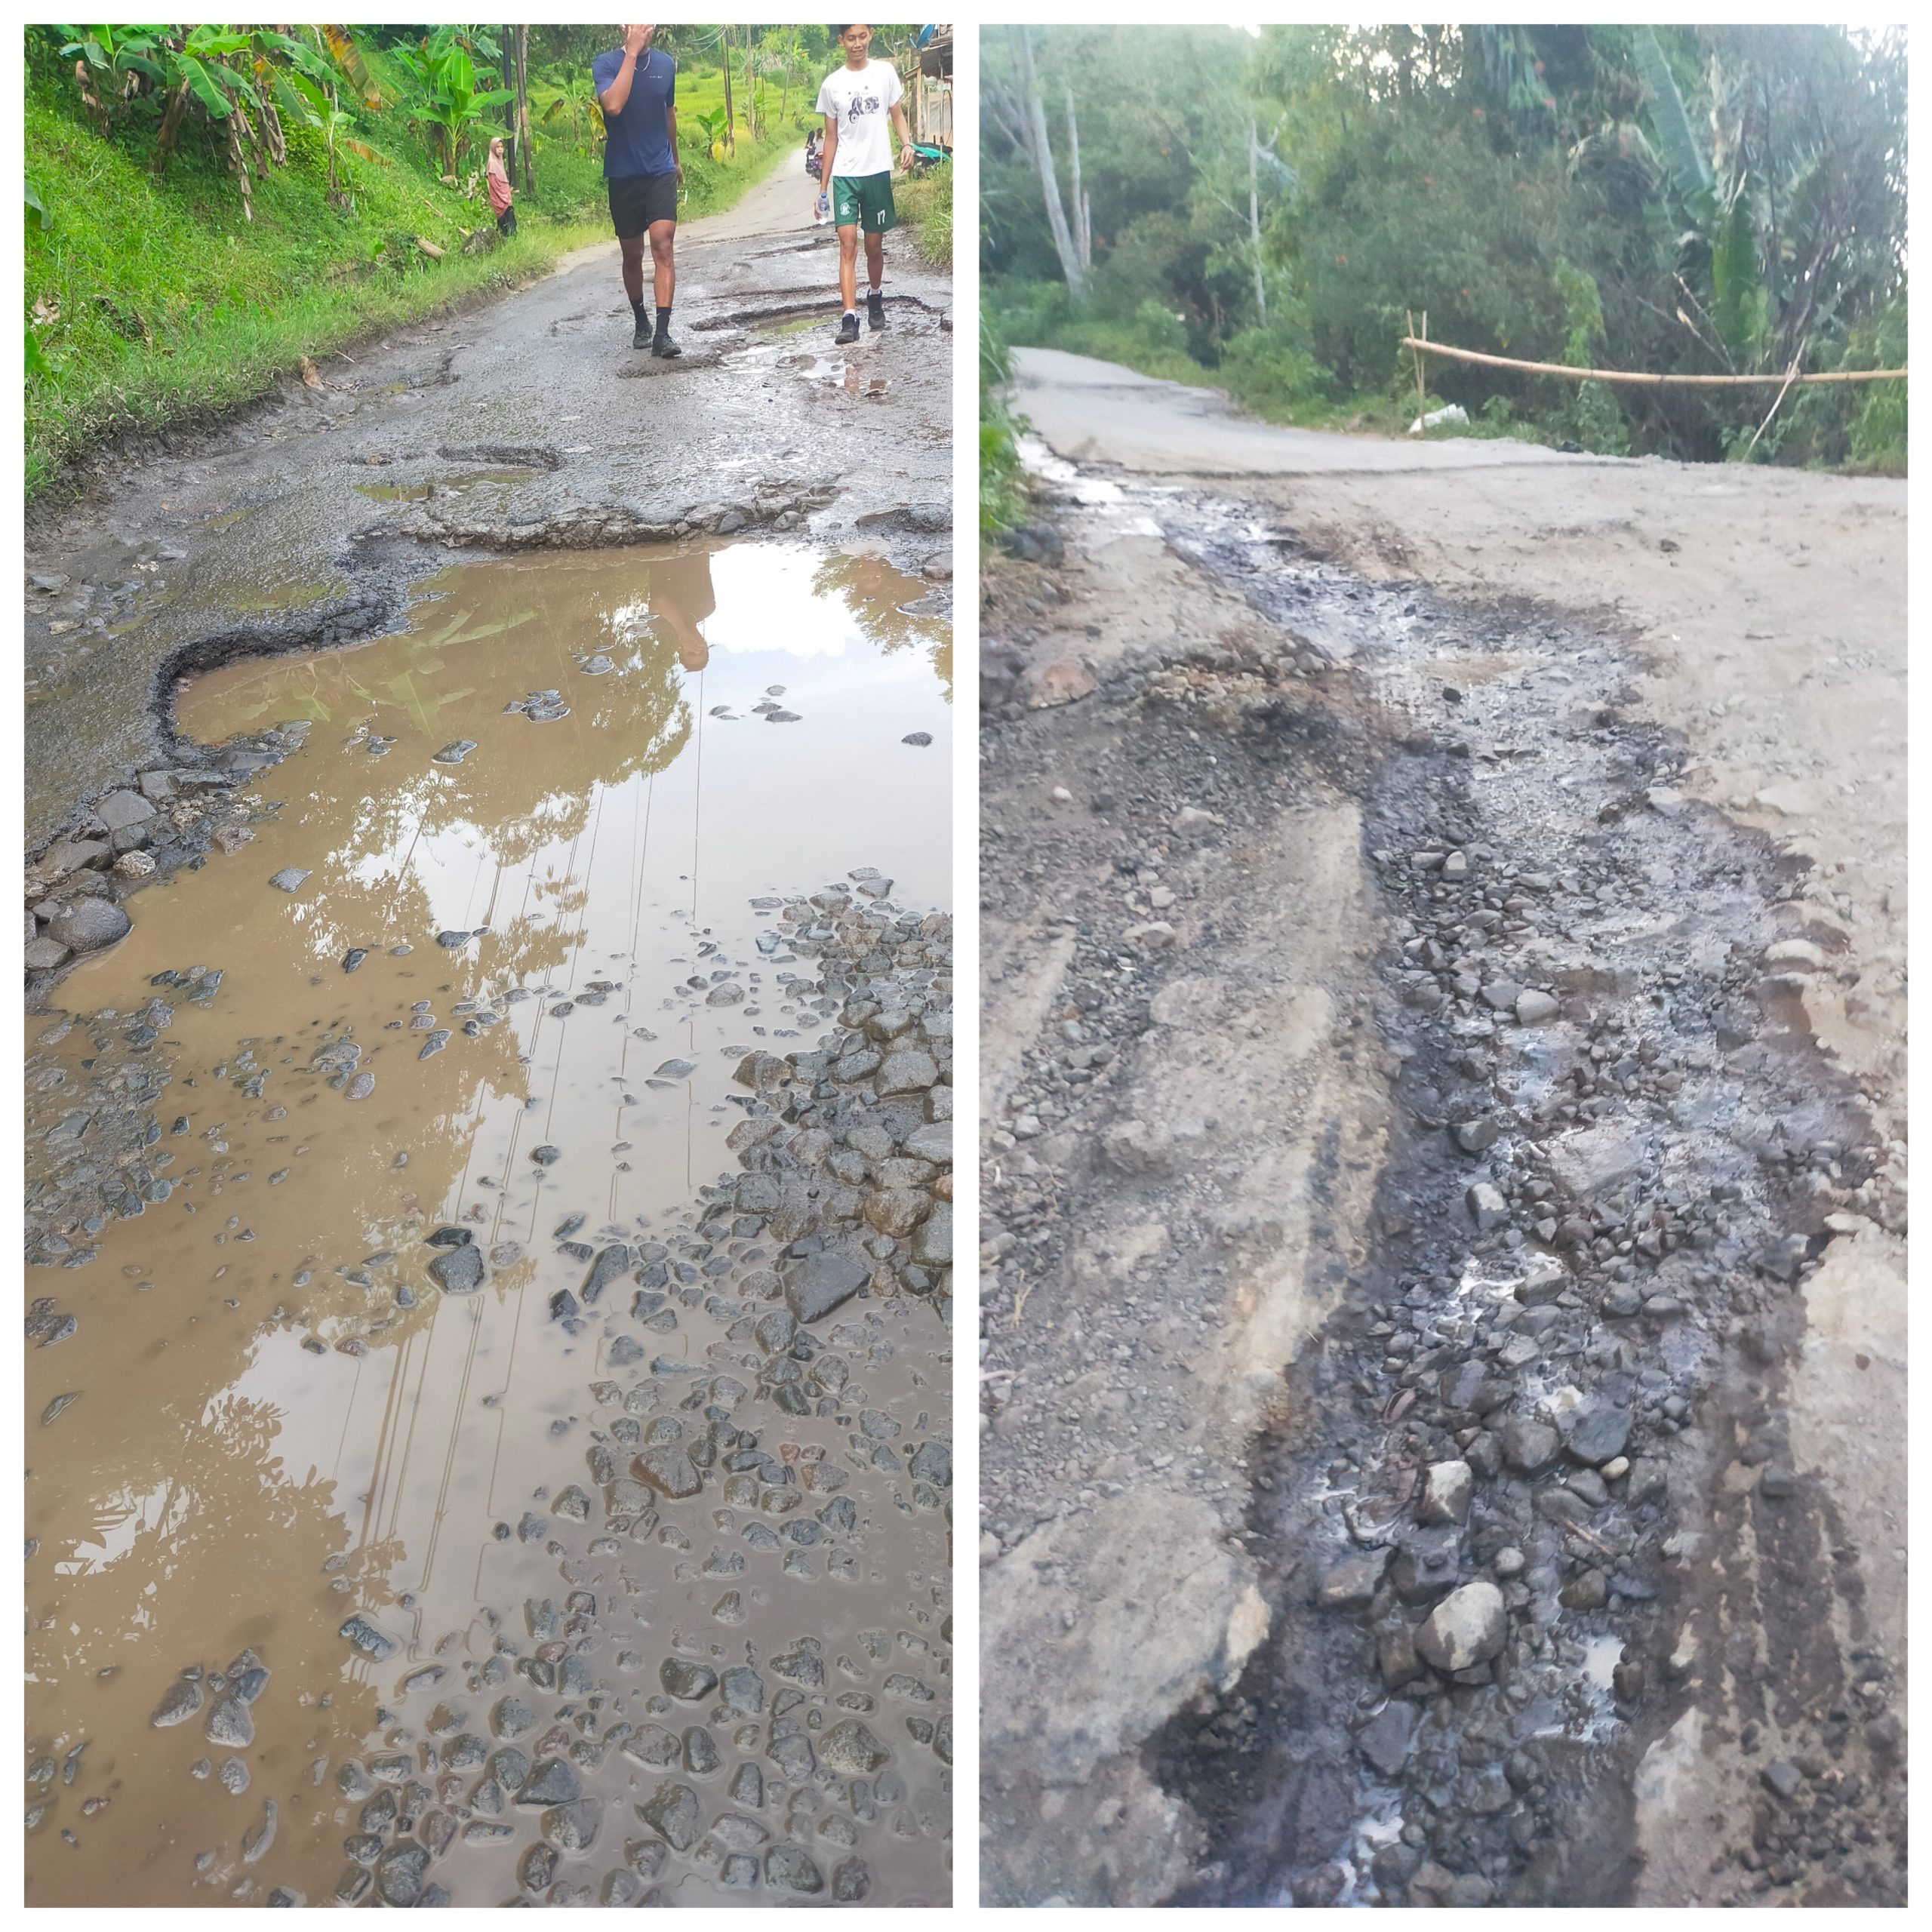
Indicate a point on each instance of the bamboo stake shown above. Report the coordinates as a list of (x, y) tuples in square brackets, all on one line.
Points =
[(1640, 380), (1774, 410)]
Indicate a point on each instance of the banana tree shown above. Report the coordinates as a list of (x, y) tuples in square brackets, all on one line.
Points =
[(571, 102), (1720, 206), (346, 52), (321, 109), (450, 97), (716, 129), (113, 67)]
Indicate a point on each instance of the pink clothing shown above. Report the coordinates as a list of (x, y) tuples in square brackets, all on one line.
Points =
[(498, 183)]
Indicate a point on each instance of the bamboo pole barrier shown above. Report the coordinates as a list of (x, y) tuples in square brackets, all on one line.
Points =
[(1777, 403), (1423, 346)]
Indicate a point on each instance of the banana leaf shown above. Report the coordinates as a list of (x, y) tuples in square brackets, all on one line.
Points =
[(205, 88), (1740, 302), (1689, 171)]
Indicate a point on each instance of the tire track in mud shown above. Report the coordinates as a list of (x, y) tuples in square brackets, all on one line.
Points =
[(1523, 1517)]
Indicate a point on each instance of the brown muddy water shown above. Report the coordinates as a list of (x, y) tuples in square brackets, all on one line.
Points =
[(280, 1422)]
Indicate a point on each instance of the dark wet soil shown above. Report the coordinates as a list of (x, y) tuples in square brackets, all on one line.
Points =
[(1547, 1375)]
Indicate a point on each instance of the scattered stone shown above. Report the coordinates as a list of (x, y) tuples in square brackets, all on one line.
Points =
[(1447, 1493), (551, 1781), (183, 1700), (1596, 1431), (676, 1815), (821, 1283), (1487, 1208), (231, 1724), (1352, 1584), (86, 925), (1387, 1739), (1468, 1627), (689, 1682), (458, 1271), (367, 1639), (1530, 1446)]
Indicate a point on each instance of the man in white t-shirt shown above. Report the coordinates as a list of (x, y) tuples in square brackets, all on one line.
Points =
[(856, 102)]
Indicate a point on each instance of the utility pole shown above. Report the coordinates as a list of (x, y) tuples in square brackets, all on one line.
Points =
[(521, 43), (730, 138)]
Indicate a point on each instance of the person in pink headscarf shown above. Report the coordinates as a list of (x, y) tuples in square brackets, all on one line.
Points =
[(496, 179)]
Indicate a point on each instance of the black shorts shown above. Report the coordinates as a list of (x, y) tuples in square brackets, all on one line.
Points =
[(637, 201)]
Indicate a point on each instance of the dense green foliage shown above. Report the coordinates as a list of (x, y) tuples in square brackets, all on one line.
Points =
[(1272, 208), (161, 280), (1002, 489)]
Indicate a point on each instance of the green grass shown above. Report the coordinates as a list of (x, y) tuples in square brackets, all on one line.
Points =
[(155, 304), (1003, 494), (925, 205)]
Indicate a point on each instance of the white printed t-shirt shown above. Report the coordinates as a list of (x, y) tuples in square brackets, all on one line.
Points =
[(863, 103)]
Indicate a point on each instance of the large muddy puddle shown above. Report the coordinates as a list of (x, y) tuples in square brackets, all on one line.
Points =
[(503, 1005)]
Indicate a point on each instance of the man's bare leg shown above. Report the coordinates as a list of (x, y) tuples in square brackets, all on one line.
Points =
[(875, 275), (848, 269), (664, 279), (663, 267), (631, 248)]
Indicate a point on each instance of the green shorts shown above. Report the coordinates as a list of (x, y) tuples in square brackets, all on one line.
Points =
[(864, 201)]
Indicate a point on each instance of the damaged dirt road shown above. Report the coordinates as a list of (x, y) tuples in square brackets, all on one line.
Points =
[(1442, 1318), (489, 1215), (526, 424)]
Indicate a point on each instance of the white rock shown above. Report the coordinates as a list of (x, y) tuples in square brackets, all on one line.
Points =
[(1468, 1627), (1446, 1497)]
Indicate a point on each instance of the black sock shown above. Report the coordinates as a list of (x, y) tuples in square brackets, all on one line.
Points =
[(641, 310), (664, 320)]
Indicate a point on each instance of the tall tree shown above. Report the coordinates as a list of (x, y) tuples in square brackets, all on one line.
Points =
[(525, 144), (1022, 116)]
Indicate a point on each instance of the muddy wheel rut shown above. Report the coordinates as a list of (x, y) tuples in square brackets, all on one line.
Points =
[(1520, 1160)]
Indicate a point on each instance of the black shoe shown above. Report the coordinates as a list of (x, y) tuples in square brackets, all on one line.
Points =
[(641, 339), (848, 328), (663, 345), (876, 309)]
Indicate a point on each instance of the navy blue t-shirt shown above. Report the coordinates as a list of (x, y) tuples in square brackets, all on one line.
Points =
[(636, 142)]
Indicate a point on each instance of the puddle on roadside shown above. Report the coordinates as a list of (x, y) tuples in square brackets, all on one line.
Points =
[(437, 486), (281, 1421), (1092, 492)]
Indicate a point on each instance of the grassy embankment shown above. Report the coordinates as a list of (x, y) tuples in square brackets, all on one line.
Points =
[(925, 206), (155, 302)]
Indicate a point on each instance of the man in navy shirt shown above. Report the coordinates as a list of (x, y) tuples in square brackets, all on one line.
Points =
[(637, 87)]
